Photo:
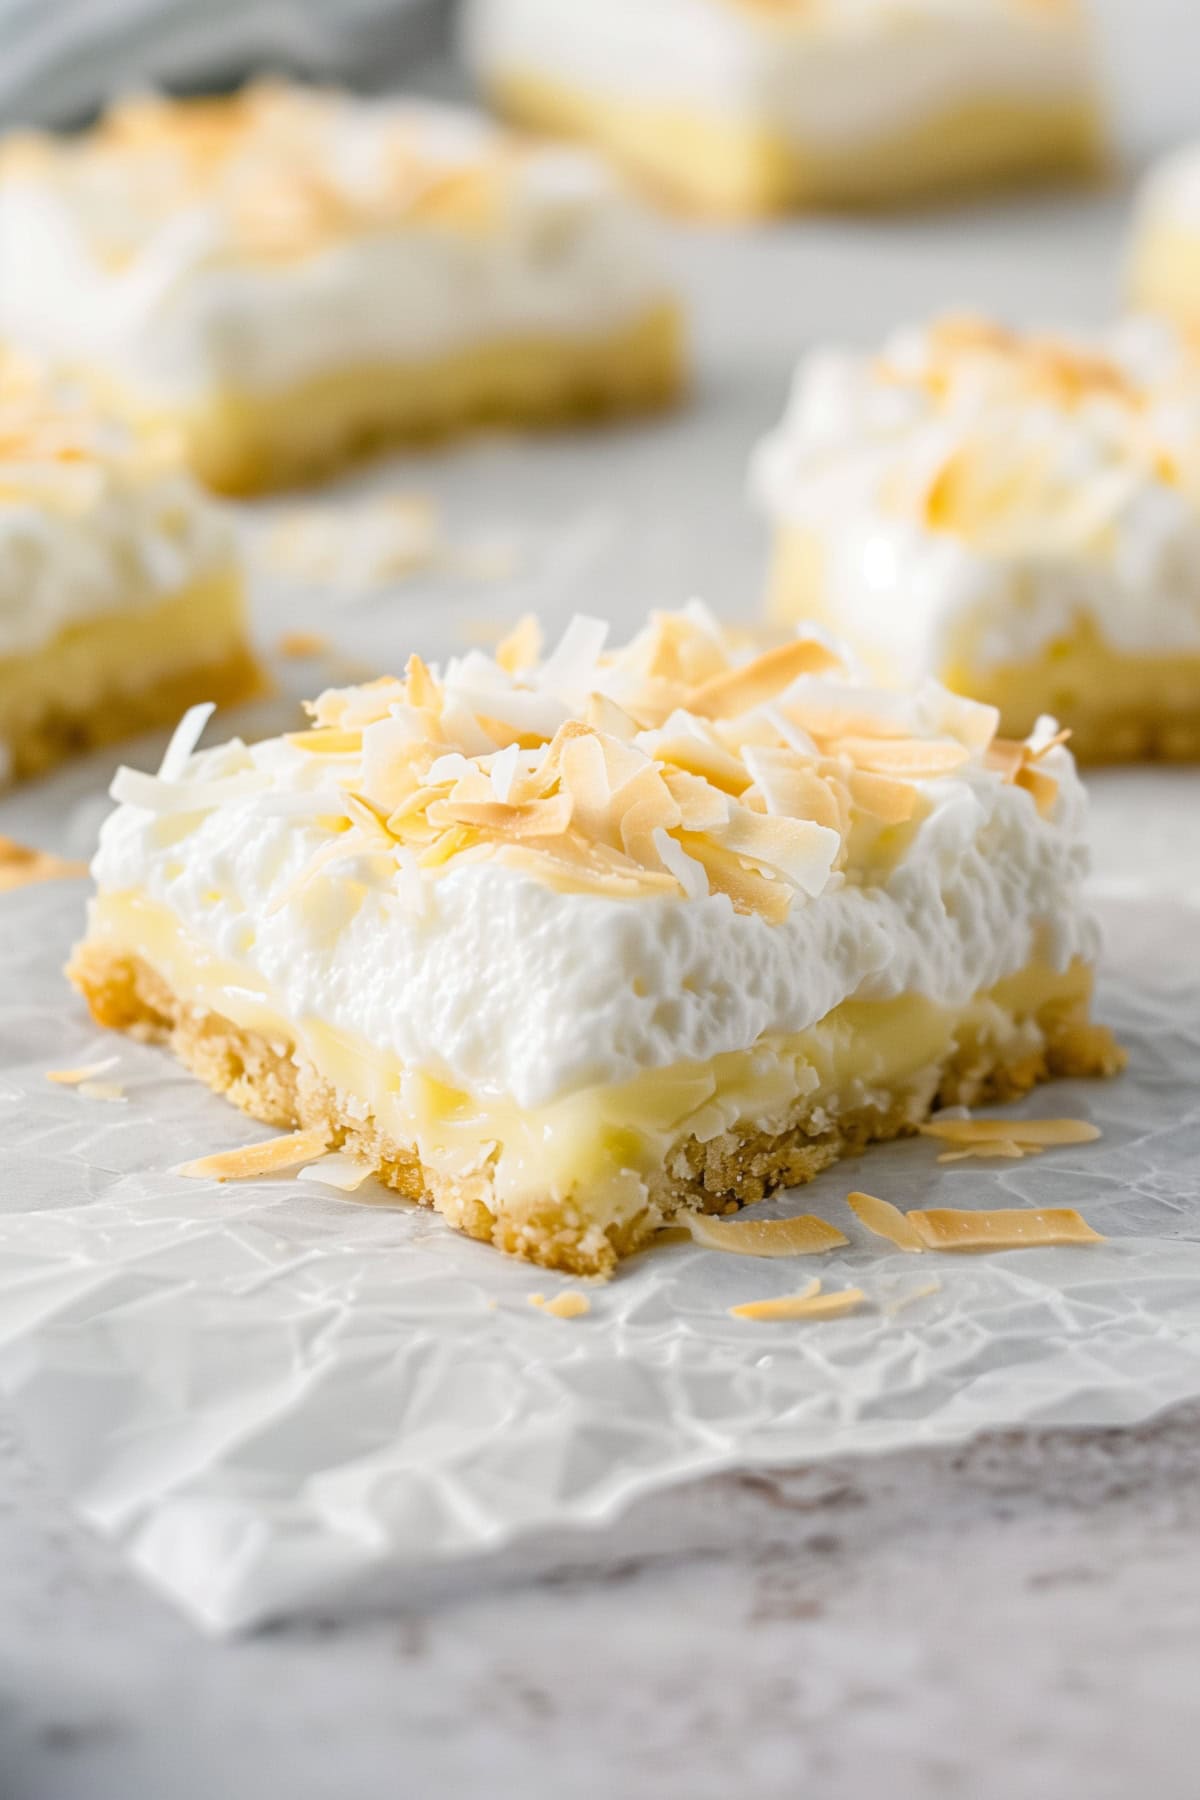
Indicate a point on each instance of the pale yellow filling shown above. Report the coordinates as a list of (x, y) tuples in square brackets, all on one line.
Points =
[(1118, 705), (738, 167), (595, 1139), (246, 440), (116, 659), (1165, 271)]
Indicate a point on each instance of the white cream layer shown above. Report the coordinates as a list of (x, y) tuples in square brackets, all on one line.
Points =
[(182, 315), (80, 540), (501, 985), (842, 73), (1110, 541)]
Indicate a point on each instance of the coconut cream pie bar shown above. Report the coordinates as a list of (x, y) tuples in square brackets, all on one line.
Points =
[(567, 947), (746, 106), (120, 597), (288, 275), (1165, 260), (1016, 515)]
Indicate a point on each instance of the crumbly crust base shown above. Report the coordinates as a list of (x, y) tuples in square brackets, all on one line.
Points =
[(56, 733), (708, 165), (744, 1165), (248, 443)]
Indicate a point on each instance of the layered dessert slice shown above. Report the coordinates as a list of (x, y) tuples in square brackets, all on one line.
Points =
[(749, 106), (567, 948), (120, 596), (1164, 264), (287, 276), (1017, 515)]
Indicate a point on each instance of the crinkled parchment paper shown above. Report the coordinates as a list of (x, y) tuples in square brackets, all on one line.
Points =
[(279, 1399)]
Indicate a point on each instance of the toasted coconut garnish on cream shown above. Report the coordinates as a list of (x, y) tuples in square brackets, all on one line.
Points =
[(253, 1160), (805, 1235), (676, 766), (809, 1303), (740, 689), (1005, 1228), (913, 759)]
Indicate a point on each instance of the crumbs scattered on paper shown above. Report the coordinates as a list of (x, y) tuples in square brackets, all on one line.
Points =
[(570, 1304), (371, 543)]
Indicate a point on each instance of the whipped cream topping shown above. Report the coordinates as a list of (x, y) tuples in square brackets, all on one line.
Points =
[(250, 243), (821, 74), (530, 946), (92, 519), (978, 492)]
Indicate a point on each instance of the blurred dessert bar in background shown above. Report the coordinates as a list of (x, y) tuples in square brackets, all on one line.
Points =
[(571, 946), (751, 106), (120, 597), (288, 276), (1164, 272), (1017, 515)]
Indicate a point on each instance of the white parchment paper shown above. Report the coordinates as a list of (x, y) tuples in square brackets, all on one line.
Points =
[(279, 1399)]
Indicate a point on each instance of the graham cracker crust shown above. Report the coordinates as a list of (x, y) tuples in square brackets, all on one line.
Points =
[(65, 729), (741, 1166), (246, 443)]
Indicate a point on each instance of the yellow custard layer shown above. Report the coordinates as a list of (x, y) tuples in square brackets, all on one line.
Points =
[(1164, 274), (736, 167), (121, 672), (243, 442), (1120, 707), (594, 1139)]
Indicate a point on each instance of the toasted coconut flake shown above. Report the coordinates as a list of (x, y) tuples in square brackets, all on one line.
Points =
[(423, 690), (522, 646), (337, 1169), (1005, 1228), (884, 797), (740, 690), (804, 1235), (87, 1072), (804, 1305), (702, 807), (1043, 787), (1041, 747), (184, 738), (605, 715), (111, 1091), (301, 646), (1045, 1133), (1001, 1148), (253, 1160), (1006, 756), (21, 866), (326, 740), (886, 1221), (911, 1296), (533, 819), (570, 1304), (727, 874), (801, 851), (916, 759)]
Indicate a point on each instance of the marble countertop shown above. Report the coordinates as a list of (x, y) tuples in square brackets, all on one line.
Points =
[(1016, 1618), (1013, 1619)]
